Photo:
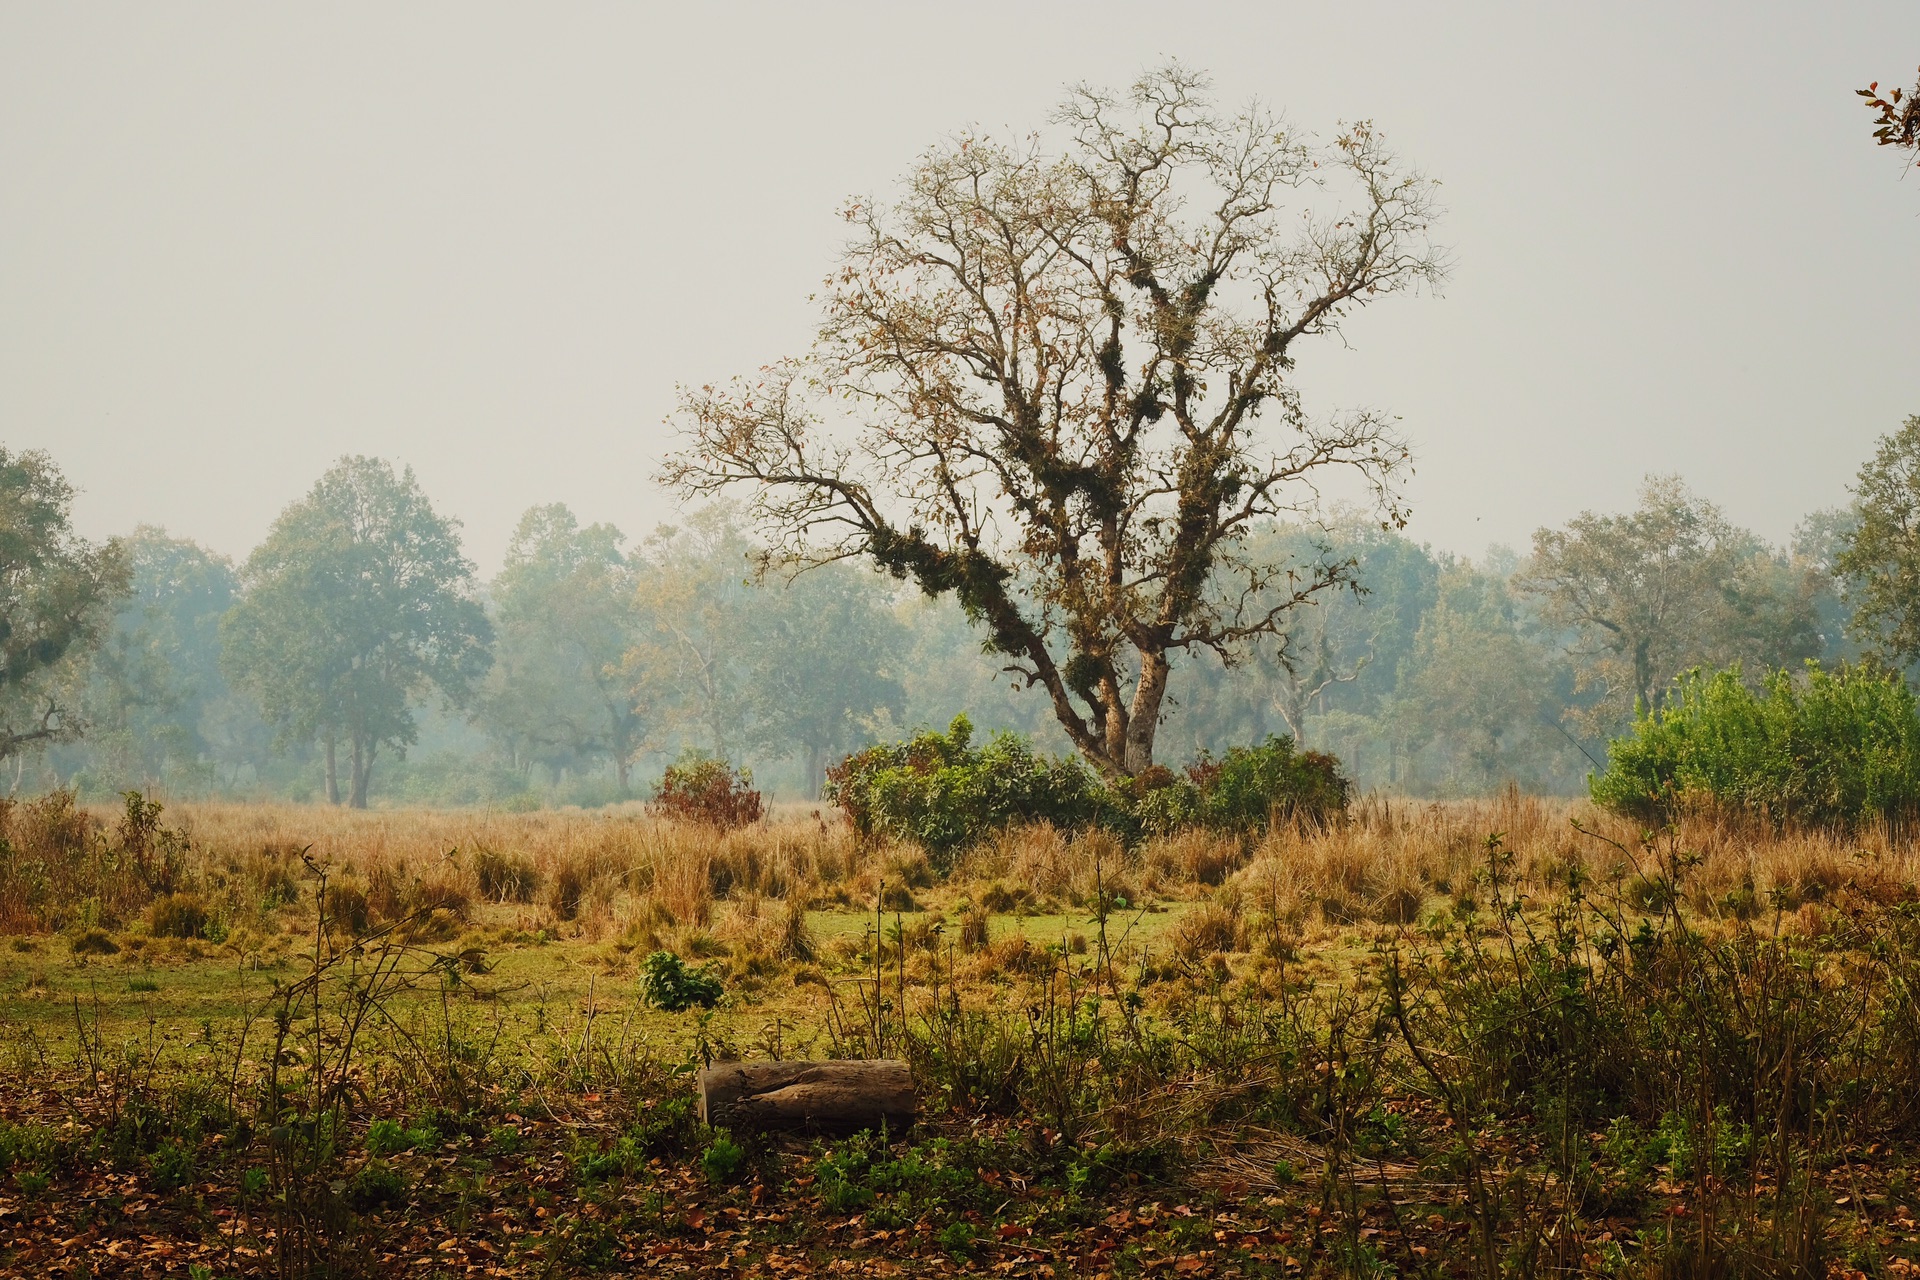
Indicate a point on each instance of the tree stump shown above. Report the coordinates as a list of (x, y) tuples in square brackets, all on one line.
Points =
[(836, 1097)]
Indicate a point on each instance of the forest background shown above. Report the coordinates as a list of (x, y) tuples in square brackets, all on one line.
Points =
[(591, 660)]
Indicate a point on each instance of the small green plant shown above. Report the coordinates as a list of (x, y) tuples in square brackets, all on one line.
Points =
[(142, 986), (389, 1137), (171, 1164), (376, 1186), (667, 983), (723, 1159), (958, 1239)]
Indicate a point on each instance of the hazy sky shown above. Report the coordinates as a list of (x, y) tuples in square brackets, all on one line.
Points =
[(237, 241)]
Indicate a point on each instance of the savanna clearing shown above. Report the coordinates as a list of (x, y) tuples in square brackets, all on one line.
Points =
[(1510, 1037)]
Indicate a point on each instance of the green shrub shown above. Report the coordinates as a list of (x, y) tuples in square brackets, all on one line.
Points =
[(1250, 786), (944, 794), (958, 1238), (376, 1186), (666, 1126), (33, 1145), (668, 984), (1832, 749)]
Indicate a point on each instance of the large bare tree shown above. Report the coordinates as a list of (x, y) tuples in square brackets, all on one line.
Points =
[(1059, 384)]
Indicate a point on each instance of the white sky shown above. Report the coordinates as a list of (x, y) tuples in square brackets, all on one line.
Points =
[(237, 241)]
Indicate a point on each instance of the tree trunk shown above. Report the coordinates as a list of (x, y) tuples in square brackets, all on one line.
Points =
[(333, 775), (816, 769), (362, 771), (1643, 675), (1143, 720), (814, 1097)]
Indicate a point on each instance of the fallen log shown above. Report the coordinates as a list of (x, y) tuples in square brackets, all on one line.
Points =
[(835, 1096)]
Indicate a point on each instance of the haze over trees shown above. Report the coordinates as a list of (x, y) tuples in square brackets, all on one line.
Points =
[(1047, 465), (155, 701), (358, 602), (1425, 673), (566, 613), (1058, 387), (1670, 585), (1878, 557)]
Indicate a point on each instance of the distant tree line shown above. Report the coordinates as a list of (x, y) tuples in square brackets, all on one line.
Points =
[(355, 656)]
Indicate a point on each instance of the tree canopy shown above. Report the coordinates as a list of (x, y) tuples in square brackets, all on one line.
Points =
[(1896, 115), (824, 667), (1058, 385), (358, 601), (567, 612), (57, 592), (1879, 557), (155, 678), (1668, 586)]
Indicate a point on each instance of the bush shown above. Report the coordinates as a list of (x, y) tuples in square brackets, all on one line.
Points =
[(700, 789), (171, 1164), (177, 915), (347, 909), (377, 1185), (504, 877), (1251, 786), (668, 984), (944, 794), (1830, 749), (95, 942)]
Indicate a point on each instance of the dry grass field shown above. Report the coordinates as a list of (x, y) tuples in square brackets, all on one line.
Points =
[(1504, 1037)]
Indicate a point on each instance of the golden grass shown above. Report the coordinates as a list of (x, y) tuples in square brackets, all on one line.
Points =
[(626, 874)]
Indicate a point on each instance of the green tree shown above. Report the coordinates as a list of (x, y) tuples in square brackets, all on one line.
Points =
[(1060, 387), (1479, 698), (156, 673), (693, 656), (1328, 676), (57, 592), (358, 602), (1879, 558), (1668, 586), (825, 666), (567, 612)]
